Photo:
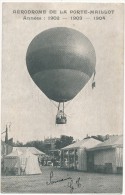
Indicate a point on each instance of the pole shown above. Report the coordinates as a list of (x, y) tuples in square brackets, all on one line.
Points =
[(68, 160), (6, 136), (63, 109), (74, 159)]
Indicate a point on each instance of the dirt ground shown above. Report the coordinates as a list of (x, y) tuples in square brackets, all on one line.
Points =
[(88, 183)]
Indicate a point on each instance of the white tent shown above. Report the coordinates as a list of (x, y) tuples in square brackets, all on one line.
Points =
[(75, 155), (33, 150), (29, 162), (24, 163), (12, 163)]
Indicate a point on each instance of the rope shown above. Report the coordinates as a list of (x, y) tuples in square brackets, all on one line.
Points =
[(94, 75), (93, 81), (53, 103)]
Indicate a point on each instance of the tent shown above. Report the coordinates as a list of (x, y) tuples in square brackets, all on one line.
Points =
[(33, 150), (21, 163), (108, 155), (74, 156), (29, 163), (12, 163)]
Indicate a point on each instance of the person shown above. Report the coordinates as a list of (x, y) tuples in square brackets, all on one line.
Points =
[(51, 176), (78, 182), (70, 184), (23, 170)]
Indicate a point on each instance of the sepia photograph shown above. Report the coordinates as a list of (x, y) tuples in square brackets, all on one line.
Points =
[(62, 97)]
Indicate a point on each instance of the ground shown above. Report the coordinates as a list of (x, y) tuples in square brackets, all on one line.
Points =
[(90, 182)]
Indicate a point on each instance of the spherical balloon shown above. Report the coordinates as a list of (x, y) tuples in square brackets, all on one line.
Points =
[(61, 61)]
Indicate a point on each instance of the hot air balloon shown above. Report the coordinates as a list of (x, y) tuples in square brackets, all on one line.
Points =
[(61, 61)]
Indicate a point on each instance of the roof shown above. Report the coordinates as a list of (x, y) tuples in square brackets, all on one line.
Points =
[(14, 153), (113, 141), (33, 150), (85, 143)]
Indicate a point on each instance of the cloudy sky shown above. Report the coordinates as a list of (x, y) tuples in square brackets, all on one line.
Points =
[(31, 113)]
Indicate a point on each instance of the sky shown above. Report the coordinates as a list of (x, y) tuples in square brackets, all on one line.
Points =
[(92, 112)]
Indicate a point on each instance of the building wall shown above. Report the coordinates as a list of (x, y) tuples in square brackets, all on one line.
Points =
[(119, 160), (82, 160), (119, 157), (109, 160), (104, 156)]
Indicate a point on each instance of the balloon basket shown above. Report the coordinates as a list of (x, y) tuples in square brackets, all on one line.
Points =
[(62, 120)]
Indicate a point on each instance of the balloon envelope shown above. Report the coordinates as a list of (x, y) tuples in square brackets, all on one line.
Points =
[(61, 61)]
